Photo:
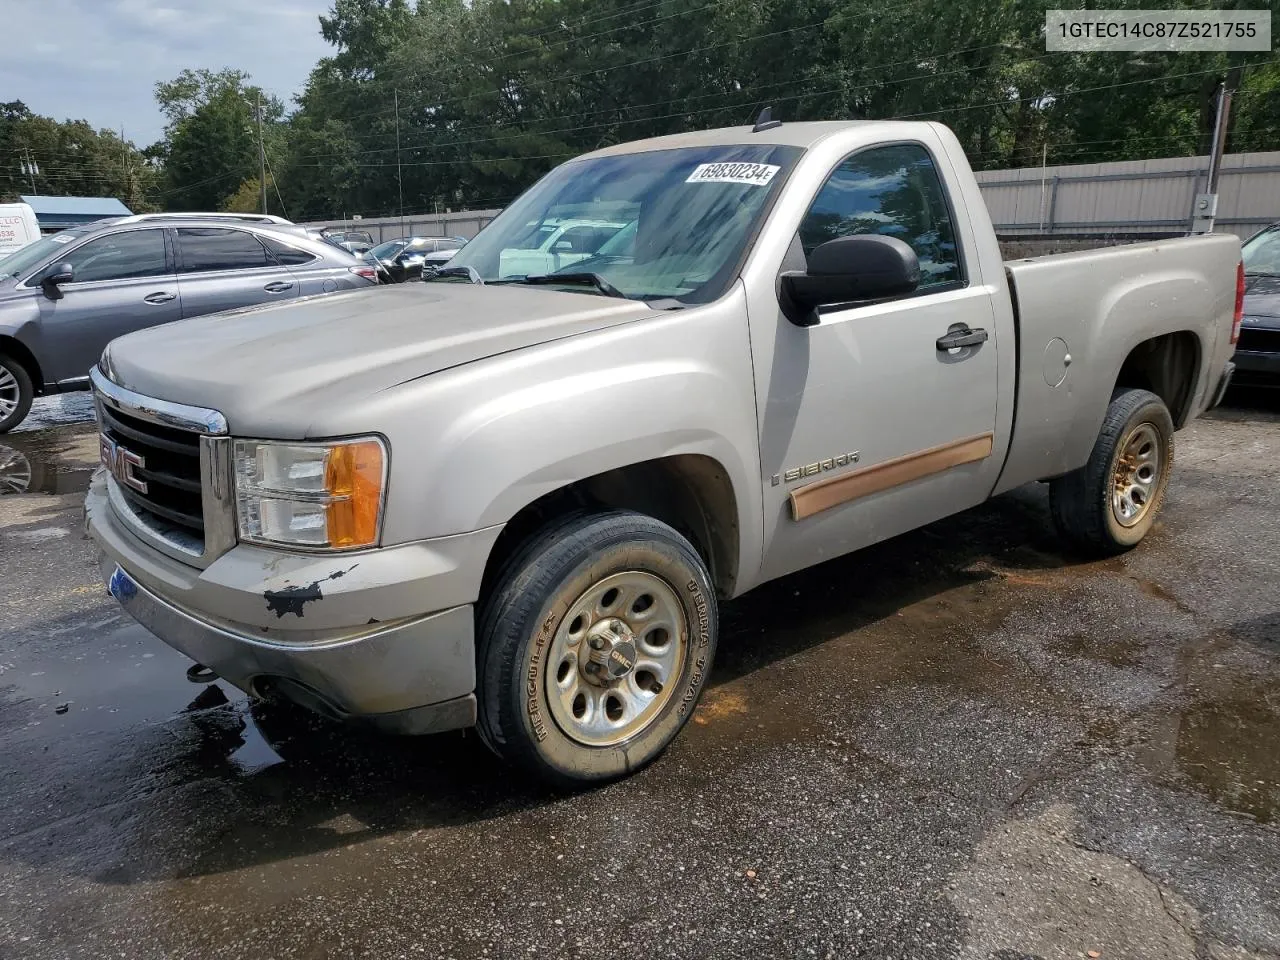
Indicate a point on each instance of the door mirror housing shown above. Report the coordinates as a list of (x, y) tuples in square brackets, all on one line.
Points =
[(866, 266), (57, 274)]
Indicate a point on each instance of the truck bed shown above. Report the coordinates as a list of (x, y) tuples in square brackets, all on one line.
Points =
[(1160, 312)]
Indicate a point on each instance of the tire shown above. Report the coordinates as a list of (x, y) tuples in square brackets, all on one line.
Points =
[(553, 698), (1086, 508), (15, 385)]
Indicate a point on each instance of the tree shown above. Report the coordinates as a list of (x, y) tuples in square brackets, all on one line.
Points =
[(211, 140), (42, 155)]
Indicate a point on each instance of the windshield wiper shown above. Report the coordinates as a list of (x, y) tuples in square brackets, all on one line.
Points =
[(1261, 273), (469, 272), (584, 276)]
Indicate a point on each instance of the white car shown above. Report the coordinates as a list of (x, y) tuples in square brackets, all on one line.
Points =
[(548, 247)]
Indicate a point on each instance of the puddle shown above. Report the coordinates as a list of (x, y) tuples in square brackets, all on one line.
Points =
[(50, 462), (1228, 747), (1118, 652)]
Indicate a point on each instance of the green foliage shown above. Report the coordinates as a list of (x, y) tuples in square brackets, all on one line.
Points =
[(493, 93), (211, 138), (40, 155)]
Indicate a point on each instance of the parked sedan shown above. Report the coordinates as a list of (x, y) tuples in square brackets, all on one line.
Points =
[(64, 297), (446, 248), (1257, 356), (403, 259), (353, 241)]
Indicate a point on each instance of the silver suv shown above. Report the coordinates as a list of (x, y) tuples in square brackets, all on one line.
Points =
[(64, 297)]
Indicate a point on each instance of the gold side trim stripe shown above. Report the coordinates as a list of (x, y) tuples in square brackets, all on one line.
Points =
[(824, 494)]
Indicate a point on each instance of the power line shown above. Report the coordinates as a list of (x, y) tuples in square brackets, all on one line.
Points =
[(755, 90)]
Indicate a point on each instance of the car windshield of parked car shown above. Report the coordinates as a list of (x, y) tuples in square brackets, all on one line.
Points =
[(1261, 254), (387, 251), (20, 262), (688, 215)]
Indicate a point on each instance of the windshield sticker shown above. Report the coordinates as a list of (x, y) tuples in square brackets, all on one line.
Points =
[(756, 174), (61, 238)]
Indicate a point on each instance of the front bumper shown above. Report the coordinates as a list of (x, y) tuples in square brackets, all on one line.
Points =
[(351, 645)]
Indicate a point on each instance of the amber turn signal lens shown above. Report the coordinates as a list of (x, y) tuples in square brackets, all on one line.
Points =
[(353, 477)]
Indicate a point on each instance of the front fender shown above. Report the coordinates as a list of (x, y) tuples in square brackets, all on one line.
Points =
[(474, 445)]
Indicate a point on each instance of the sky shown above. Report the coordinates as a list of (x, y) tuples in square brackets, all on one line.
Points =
[(99, 60)]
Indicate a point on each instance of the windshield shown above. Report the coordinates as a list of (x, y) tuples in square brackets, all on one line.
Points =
[(21, 262), (1261, 254), (659, 224), (388, 250)]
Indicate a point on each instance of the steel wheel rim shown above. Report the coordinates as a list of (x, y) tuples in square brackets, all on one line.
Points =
[(1135, 481), (630, 607), (10, 392)]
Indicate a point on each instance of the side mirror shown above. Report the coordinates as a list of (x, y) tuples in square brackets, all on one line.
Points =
[(563, 245), (58, 273), (865, 266)]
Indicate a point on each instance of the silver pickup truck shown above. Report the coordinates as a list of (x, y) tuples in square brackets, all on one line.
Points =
[(517, 501)]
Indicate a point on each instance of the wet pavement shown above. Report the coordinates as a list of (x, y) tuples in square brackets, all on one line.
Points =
[(961, 743)]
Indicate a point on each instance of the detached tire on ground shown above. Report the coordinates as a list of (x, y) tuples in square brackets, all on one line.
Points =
[(594, 646), (1108, 505), (16, 393)]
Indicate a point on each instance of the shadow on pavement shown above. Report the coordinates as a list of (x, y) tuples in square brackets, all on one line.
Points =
[(226, 784)]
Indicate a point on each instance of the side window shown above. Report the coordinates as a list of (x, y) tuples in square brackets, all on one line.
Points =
[(119, 256), (213, 248), (287, 255), (895, 191)]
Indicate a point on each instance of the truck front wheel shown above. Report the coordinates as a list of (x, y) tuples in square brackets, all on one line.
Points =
[(594, 646), (1108, 505)]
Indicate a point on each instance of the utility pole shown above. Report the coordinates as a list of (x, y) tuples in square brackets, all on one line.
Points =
[(399, 179), (262, 155), (1206, 206), (29, 168), (124, 163)]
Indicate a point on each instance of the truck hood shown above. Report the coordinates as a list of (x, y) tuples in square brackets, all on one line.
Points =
[(274, 371), (1262, 300)]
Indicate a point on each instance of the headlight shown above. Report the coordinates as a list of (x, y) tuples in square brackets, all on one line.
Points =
[(324, 495)]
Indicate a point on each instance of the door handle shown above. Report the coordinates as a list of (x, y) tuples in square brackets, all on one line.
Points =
[(159, 297), (963, 337), (278, 286)]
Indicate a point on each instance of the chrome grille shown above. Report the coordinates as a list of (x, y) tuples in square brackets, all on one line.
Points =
[(170, 470)]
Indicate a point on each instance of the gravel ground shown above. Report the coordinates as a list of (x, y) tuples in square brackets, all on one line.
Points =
[(961, 743)]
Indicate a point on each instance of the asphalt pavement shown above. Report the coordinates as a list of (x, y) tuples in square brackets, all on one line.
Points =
[(961, 743)]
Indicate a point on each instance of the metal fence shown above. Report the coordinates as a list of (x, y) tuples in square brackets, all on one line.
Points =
[(1135, 196), (1088, 200), (463, 223)]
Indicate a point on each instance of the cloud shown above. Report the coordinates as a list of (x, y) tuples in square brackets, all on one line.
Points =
[(109, 54)]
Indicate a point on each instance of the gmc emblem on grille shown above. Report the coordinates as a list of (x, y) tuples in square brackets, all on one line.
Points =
[(120, 463)]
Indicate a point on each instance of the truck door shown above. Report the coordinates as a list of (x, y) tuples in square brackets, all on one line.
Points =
[(873, 425)]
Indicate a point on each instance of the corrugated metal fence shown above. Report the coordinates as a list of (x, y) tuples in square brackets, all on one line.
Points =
[(1136, 196), (1092, 199), (463, 223)]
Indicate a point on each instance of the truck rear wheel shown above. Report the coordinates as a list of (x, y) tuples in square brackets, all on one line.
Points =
[(1108, 505), (16, 393), (594, 646)]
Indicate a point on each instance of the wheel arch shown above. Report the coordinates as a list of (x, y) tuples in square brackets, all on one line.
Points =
[(1168, 366), (692, 493), (19, 351)]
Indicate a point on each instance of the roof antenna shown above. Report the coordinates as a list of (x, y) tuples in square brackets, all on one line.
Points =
[(765, 121)]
